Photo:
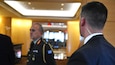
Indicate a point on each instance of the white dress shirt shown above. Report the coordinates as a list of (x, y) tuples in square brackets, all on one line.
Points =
[(90, 36)]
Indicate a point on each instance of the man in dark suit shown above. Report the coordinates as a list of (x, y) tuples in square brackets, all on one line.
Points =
[(7, 55), (96, 49)]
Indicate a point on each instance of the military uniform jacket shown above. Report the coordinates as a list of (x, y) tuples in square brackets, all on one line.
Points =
[(35, 54)]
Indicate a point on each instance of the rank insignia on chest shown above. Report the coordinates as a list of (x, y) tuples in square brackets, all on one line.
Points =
[(49, 51), (35, 51), (33, 58)]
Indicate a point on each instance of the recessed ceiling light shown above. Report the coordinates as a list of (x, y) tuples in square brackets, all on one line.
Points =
[(62, 4), (70, 12), (29, 3)]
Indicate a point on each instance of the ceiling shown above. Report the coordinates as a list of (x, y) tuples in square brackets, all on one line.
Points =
[(8, 11)]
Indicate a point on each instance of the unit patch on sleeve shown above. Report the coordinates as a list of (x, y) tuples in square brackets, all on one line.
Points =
[(49, 51)]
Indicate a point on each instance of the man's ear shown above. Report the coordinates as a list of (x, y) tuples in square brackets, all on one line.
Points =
[(83, 21)]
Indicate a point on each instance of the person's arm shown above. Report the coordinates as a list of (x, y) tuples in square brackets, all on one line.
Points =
[(49, 56)]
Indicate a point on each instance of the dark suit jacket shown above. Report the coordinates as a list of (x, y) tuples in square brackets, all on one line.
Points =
[(97, 51), (7, 56)]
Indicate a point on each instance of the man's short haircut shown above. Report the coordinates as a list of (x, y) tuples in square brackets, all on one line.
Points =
[(95, 14), (40, 27)]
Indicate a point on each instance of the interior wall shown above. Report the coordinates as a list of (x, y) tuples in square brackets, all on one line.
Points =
[(109, 32), (73, 41), (5, 25), (20, 33)]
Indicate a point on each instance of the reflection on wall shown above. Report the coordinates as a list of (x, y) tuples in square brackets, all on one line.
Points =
[(20, 33)]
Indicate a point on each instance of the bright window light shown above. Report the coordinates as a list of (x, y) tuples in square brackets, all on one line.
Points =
[(27, 12)]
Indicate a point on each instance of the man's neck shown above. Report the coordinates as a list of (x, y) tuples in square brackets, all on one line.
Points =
[(35, 41)]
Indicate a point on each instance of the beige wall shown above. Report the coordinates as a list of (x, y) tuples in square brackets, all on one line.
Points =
[(20, 33), (5, 25), (109, 32), (73, 41)]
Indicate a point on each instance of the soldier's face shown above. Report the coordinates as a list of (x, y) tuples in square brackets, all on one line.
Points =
[(34, 32)]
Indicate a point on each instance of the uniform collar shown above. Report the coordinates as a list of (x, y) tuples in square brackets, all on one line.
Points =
[(90, 36), (35, 41)]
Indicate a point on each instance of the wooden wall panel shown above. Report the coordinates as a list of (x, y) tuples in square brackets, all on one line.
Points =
[(73, 41), (109, 32), (5, 25), (20, 33)]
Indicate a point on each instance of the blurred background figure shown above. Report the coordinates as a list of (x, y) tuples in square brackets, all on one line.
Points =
[(7, 55)]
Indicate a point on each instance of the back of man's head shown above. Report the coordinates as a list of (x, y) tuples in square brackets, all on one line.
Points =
[(95, 14)]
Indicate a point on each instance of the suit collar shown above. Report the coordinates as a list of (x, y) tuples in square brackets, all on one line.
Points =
[(90, 36)]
